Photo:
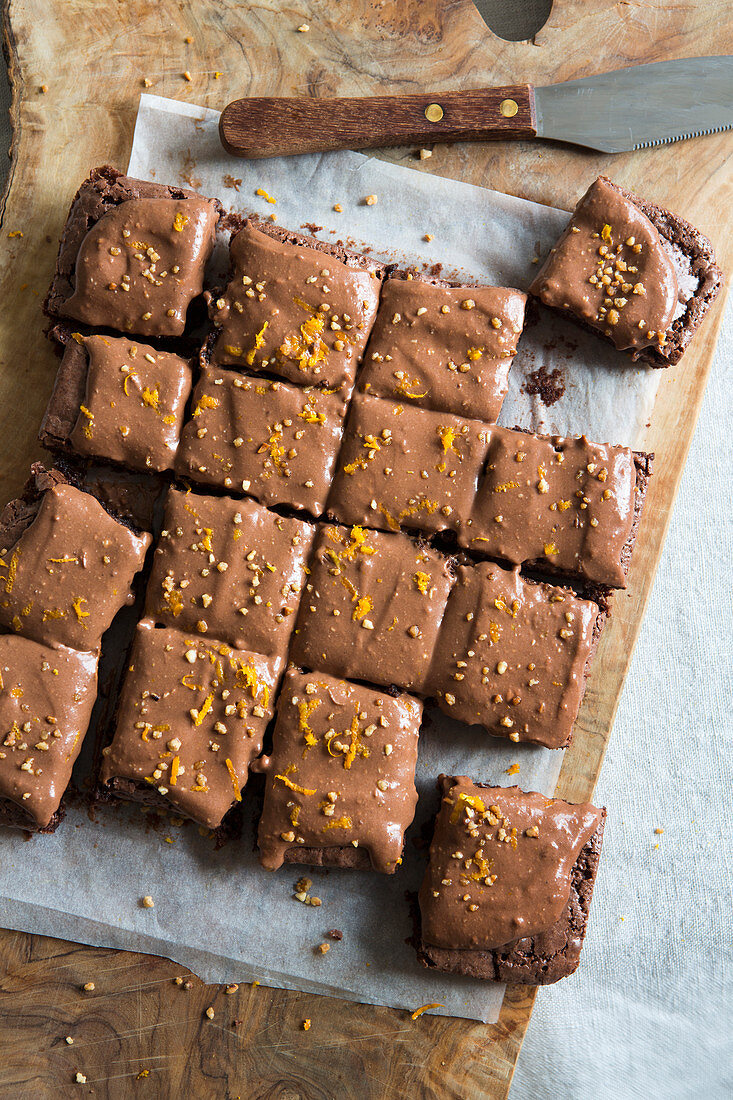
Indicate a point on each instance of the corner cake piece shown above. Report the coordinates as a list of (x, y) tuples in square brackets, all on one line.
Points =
[(340, 788), (66, 570), (271, 440), (132, 254), (119, 400), (564, 505), (508, 887), (295, 308), (46, 700), (230, 569), (443, 347), (634, 272), (191, 717), (372, 607), (407, 468), (513, 655)]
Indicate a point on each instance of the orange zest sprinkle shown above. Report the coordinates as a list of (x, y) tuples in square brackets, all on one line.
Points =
[(175, 765), (464, 800), (259, 341), (234, 779), (425, 1008), (340, 823), (263, 194), (199, 715), (294, 786)]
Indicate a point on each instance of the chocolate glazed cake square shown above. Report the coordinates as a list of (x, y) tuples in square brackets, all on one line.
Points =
[(340, 780), (295, 308), (438, 346), (118, 400), (132, 254), (191, 718), (509, 883), (632, 271), (372, 607), (272, 440)]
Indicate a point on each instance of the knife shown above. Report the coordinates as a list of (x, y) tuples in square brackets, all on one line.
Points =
[(614, 112)]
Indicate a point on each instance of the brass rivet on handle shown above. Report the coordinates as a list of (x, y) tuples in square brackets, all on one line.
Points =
[(433, 112), (508, 108)]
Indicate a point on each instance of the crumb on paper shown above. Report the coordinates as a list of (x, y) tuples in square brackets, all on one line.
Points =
[(232, 181), (187, 176), (336, 934)]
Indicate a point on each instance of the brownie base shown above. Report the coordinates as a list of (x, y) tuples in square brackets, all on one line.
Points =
[(348, 858), (128, 790), (128, 498), (532, 960), (698, 249), (15, 817), (106, 187)]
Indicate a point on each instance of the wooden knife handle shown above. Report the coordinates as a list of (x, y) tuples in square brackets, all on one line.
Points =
[(268, 127)]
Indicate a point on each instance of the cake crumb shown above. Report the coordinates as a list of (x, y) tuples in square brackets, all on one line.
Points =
[(336, 934)]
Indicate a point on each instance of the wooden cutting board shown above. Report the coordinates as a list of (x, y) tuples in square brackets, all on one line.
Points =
[(77, 69)]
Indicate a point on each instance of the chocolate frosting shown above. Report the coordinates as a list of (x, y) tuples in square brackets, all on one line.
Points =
[(405, 467), (341, 771), (229, 569), (191, 718), (157, 248), (511, 655), (46, 700), (70, 571), (500, 865), (272, 440), (444, 348), (610, 270), (372, 607), (133, 407), (566, 503), (293, 311)]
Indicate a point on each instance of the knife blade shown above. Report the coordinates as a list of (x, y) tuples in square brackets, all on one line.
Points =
[(641, 106), (631, 108)]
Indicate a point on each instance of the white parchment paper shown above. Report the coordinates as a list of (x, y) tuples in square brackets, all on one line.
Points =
[(219, 913)]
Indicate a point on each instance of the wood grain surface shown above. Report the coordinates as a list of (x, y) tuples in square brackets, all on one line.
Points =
[(77, 68)]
